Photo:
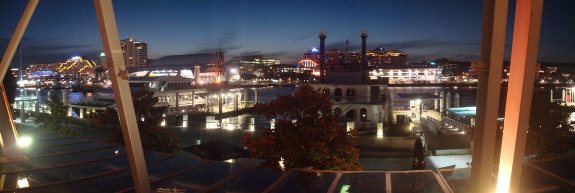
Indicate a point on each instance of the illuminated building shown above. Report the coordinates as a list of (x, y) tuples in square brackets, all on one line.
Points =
[(77, 66), (254, 65), (201, 68), (451, 67), (376, 57), (358, 102), (135, 52), (73, 67), (406, 74)]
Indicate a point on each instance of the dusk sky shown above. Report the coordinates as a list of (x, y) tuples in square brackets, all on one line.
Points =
[(425, 29)]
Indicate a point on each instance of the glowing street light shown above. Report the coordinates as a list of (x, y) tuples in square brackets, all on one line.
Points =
[(25, 141)]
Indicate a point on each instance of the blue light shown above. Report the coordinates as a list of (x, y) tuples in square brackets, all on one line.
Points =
[(314, 49), (432, 63)]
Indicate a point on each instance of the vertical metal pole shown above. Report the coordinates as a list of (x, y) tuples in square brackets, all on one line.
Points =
[(488, 92), (7, 128), (525, 47), (123, 97), (9, 135)]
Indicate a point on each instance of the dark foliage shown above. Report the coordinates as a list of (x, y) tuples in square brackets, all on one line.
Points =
[(153, 136), (306, 134), (10, 85)]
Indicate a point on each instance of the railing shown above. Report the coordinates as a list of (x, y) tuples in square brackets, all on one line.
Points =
[(446, 124)]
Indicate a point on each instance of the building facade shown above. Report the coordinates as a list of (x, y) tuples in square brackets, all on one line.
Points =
[(135, 52)]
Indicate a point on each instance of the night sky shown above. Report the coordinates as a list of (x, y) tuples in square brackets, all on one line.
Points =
[(425, 29)]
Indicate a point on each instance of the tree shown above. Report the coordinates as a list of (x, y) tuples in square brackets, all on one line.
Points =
[(10, 85), (550, 133), (57, 119), (306, 134), (149, 117), (418, 156)]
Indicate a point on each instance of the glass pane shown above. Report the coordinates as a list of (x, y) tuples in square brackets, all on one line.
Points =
[(306, 181)]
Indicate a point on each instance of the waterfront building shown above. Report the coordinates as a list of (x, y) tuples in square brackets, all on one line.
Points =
[(76, 66), (359, 103), (64, 73), (407, 74), (254, 66), (135, 52)]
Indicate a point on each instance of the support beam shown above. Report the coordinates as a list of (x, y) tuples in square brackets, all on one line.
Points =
[(21, 105), (525, 49), (123, 97), (220, 101), (8, 133), (7, 128), (441, 101), (448, 100), (488, 92), (177, 102), (236, 101), (256, 95), (436, 102)]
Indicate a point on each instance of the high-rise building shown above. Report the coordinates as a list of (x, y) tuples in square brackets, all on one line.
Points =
[(135, 52)]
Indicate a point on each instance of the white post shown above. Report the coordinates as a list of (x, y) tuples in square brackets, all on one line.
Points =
[(350, 126), (185, 120), (119, 77), (81, 115), (70, 110), (7, 128), (456, 100), (441, 99), (436, 102), (525, 47), (379, 130), (252, 126)]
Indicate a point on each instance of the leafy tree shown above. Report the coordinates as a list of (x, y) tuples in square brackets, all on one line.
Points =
[(306, 134), (149, 117), (57, 119), (550, 134), (10, 85)]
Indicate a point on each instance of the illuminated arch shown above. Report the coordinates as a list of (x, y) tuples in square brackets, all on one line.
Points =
[(307, 63)]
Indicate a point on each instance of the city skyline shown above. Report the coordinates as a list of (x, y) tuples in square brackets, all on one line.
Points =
[(283, 30)]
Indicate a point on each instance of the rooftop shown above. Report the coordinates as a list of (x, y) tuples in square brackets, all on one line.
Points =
[(60, 163)]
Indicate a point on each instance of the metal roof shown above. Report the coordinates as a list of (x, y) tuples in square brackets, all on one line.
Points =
[(60, 163)]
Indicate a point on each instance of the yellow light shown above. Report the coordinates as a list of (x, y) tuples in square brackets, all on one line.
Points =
[(380, 130), (25, 141), (23, 183)]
